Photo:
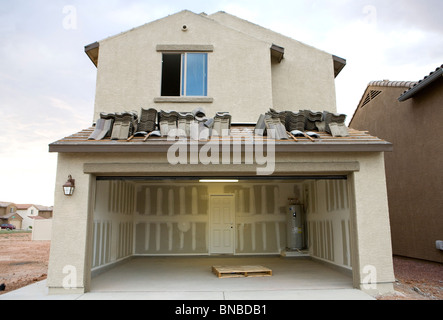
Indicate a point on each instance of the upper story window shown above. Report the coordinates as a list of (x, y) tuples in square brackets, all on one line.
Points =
[(184, 74)]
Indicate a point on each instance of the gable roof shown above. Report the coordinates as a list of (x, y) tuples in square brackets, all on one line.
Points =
[(374, 88), (386, 84), (257, 31), (43, 208), (93, 49), (419, 86), (5, 204), (252, 30), (10, 215), (23, 206)]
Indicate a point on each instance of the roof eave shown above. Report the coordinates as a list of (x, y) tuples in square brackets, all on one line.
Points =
[(92, 51), (421, 85), (277, 52), (339, 64), (280, 147)]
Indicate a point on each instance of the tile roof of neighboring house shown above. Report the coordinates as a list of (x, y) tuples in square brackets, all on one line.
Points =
[(367, 96), (43, 208), (387, 83), (9, 215), (4, 204), (23, 206), (357, 141), (420, 85), (37, 218)]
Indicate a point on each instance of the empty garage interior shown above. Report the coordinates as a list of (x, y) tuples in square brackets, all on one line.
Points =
[(303, 221)]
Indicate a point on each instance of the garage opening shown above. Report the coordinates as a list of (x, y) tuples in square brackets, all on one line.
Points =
[(297, 216)]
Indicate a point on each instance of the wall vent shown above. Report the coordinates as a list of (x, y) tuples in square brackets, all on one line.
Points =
[(371, 96)]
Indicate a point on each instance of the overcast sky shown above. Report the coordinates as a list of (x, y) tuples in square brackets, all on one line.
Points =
[(47, 83)]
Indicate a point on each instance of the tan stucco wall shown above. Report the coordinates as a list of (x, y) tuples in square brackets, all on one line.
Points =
[(305, 77), (70, 230), (6, 210), (241, 78), (42, 230), (370, 234), (413, 169), (372, 243)]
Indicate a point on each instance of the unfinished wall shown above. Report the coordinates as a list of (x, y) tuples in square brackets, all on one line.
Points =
[(328, 220), (173, 218), (113, 222), (155, 218)]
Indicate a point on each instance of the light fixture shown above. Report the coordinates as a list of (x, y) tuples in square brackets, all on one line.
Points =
[(219, 181), (69, 186)]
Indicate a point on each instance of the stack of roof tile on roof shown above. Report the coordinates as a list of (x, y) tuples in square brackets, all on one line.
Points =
[(279, 124), (127, 125)]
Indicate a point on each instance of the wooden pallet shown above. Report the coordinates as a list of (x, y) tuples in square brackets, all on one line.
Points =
[(241, 271)]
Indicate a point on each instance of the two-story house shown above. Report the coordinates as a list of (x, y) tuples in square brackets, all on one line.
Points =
[(8, 214), (197, 192), (30, 212)]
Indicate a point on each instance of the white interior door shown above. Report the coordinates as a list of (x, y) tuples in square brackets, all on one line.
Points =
[(222, 226)]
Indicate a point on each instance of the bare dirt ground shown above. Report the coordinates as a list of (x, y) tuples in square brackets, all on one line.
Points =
[(23, 262), (417, 280)]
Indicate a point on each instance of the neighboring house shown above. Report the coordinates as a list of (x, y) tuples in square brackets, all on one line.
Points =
[(30, 212), (156, 196), (44, 211), (8, 214), (406, 114)]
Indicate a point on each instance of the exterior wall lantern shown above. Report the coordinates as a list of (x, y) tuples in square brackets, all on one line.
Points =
[(69, 186)]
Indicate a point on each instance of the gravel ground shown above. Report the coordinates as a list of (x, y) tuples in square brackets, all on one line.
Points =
[(417, 280), (23, 262)]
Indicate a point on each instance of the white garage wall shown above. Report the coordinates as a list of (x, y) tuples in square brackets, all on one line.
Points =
[(328, 220)]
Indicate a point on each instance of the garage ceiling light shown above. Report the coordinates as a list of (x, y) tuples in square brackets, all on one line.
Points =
[(219, 180)]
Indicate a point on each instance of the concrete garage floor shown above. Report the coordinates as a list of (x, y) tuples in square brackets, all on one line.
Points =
[(191, 278)]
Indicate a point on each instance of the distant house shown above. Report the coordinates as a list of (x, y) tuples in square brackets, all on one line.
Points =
[(410, 115), (9, 215), (30, 212)]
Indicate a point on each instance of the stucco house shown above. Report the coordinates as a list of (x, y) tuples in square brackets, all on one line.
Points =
[(404, 112), (30, 212), (8, 214), (198, 192)]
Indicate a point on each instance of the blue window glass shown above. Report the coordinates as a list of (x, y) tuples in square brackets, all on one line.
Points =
[(196, 74), (184, 74)]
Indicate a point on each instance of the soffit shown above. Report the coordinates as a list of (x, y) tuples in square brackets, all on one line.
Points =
[(92, 50)]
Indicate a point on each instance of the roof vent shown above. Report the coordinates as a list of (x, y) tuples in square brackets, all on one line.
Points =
[(371, 96)]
